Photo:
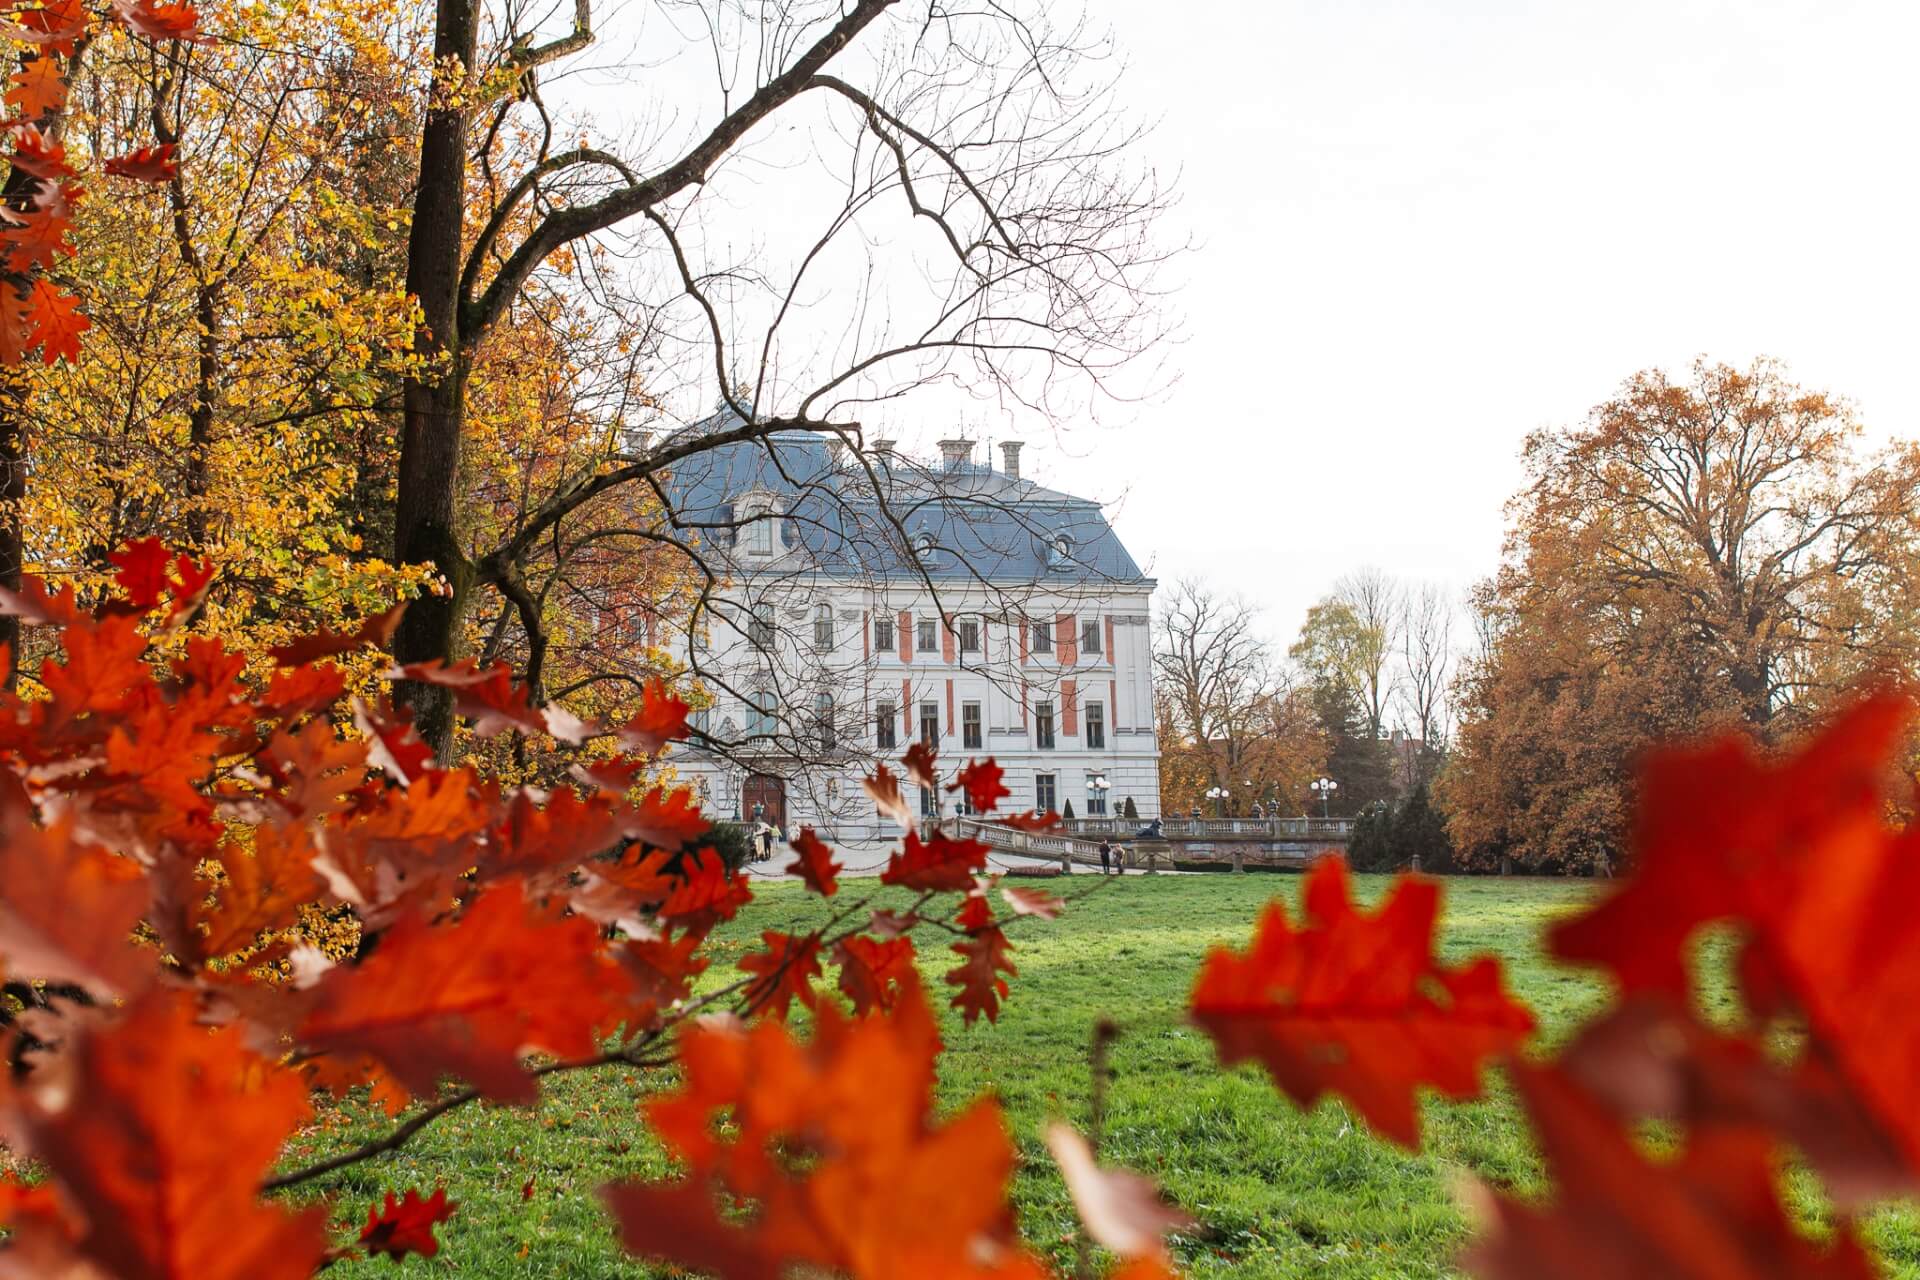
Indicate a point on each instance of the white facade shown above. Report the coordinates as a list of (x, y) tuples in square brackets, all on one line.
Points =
[(1049, 673)]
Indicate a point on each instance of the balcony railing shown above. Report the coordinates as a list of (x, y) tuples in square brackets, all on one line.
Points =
[(1212, 828)]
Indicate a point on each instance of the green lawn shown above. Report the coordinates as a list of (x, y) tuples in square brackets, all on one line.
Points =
[(1278, 1193)]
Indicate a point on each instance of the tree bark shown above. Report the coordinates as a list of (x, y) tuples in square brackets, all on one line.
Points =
[(434, 401)]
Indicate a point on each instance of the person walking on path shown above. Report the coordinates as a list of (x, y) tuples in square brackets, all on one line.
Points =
[(1106, 857)]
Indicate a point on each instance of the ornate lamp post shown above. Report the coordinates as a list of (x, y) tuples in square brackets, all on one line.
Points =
[(1099, 785), (1326, 787), (1218, 794)]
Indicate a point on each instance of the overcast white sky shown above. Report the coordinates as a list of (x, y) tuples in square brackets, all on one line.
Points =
[(1428, 228)]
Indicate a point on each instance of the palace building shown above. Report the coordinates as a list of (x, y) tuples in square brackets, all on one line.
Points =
[(859, 602)]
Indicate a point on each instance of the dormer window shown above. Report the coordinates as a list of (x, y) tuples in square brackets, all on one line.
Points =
[(759, 539), (923, 545), (1060, 552)]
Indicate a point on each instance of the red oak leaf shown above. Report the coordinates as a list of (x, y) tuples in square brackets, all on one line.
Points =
[(1357, 1004), (919, 765), (1720, 833), (405, 1226), (1122, 1210), (1035, 821), (815, 865), (56, 24), (492, 700), (372, 632), (67, 912), (886, 1191), (1034, 902), (984, 957), (44, 232), (884, 788), (1714, 1211), (662, 719), (469, 998), (161, 1130), (157, 20), (664, 819), (148, 164), (56, 321), (873, 971), (36, 153), (980, 780), (38, 88), (783, 973), (392, 744), (940, 864), (142, 575), (706, 894)]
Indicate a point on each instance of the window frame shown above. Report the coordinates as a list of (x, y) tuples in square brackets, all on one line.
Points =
[(1050, 784), (1044, 736), (886, 727), (762, 625), (759, 534), (823, 620), (1090, 638), (973, 733), (966, 635), (1042, 637), (926, 635), (824, 729), (884, 641), (1094, 716), (930, 715)]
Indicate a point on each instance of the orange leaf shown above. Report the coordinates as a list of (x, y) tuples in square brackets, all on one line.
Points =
[(38, 88), (42, 234), (783, 973), (706, 894), (161, 1134), (1357, 1004), (662, 719), (885, 1191), (492, 700), (35, 153), (1715, 1211), (67, 913), (873, 971), (148, 164), (815, 865), (469, 998), (160, 21), (57, 321), (940, 864)]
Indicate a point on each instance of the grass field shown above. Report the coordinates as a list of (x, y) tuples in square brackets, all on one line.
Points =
[(1279, 1193)]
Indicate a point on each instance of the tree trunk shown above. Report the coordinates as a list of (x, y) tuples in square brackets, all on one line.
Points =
[(14, 391), (434, 401)]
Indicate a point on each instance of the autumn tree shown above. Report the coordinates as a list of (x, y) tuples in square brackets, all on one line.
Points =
[(1035, 247), (1231, 714), (1696, 555), (1350, 638)]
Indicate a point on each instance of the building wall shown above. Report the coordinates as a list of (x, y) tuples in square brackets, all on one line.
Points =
[(1007, 676)]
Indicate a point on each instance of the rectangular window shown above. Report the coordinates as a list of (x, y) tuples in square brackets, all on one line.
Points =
[(760, 714), (929, 803), (930, 723), (760, 627), (1042, 638), (884, 724), (968, 630), (700, 721), (883, 635), (760, 537), (970, 739), (929, 637), (1046, 793), (823, 626), (1043, 725), (1090, 636), (1097, 789), (823, 720), (1096, 726)]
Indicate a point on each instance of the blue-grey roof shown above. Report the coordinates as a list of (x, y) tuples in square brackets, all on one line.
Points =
[(849, 521)]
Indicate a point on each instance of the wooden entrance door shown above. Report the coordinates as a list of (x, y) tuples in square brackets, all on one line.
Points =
[(763, 789)]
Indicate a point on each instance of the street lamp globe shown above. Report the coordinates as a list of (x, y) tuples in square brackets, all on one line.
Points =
[(1326, 787)]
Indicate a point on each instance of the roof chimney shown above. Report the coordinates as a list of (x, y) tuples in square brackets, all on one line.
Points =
[(956, 453), (1010, 458)]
